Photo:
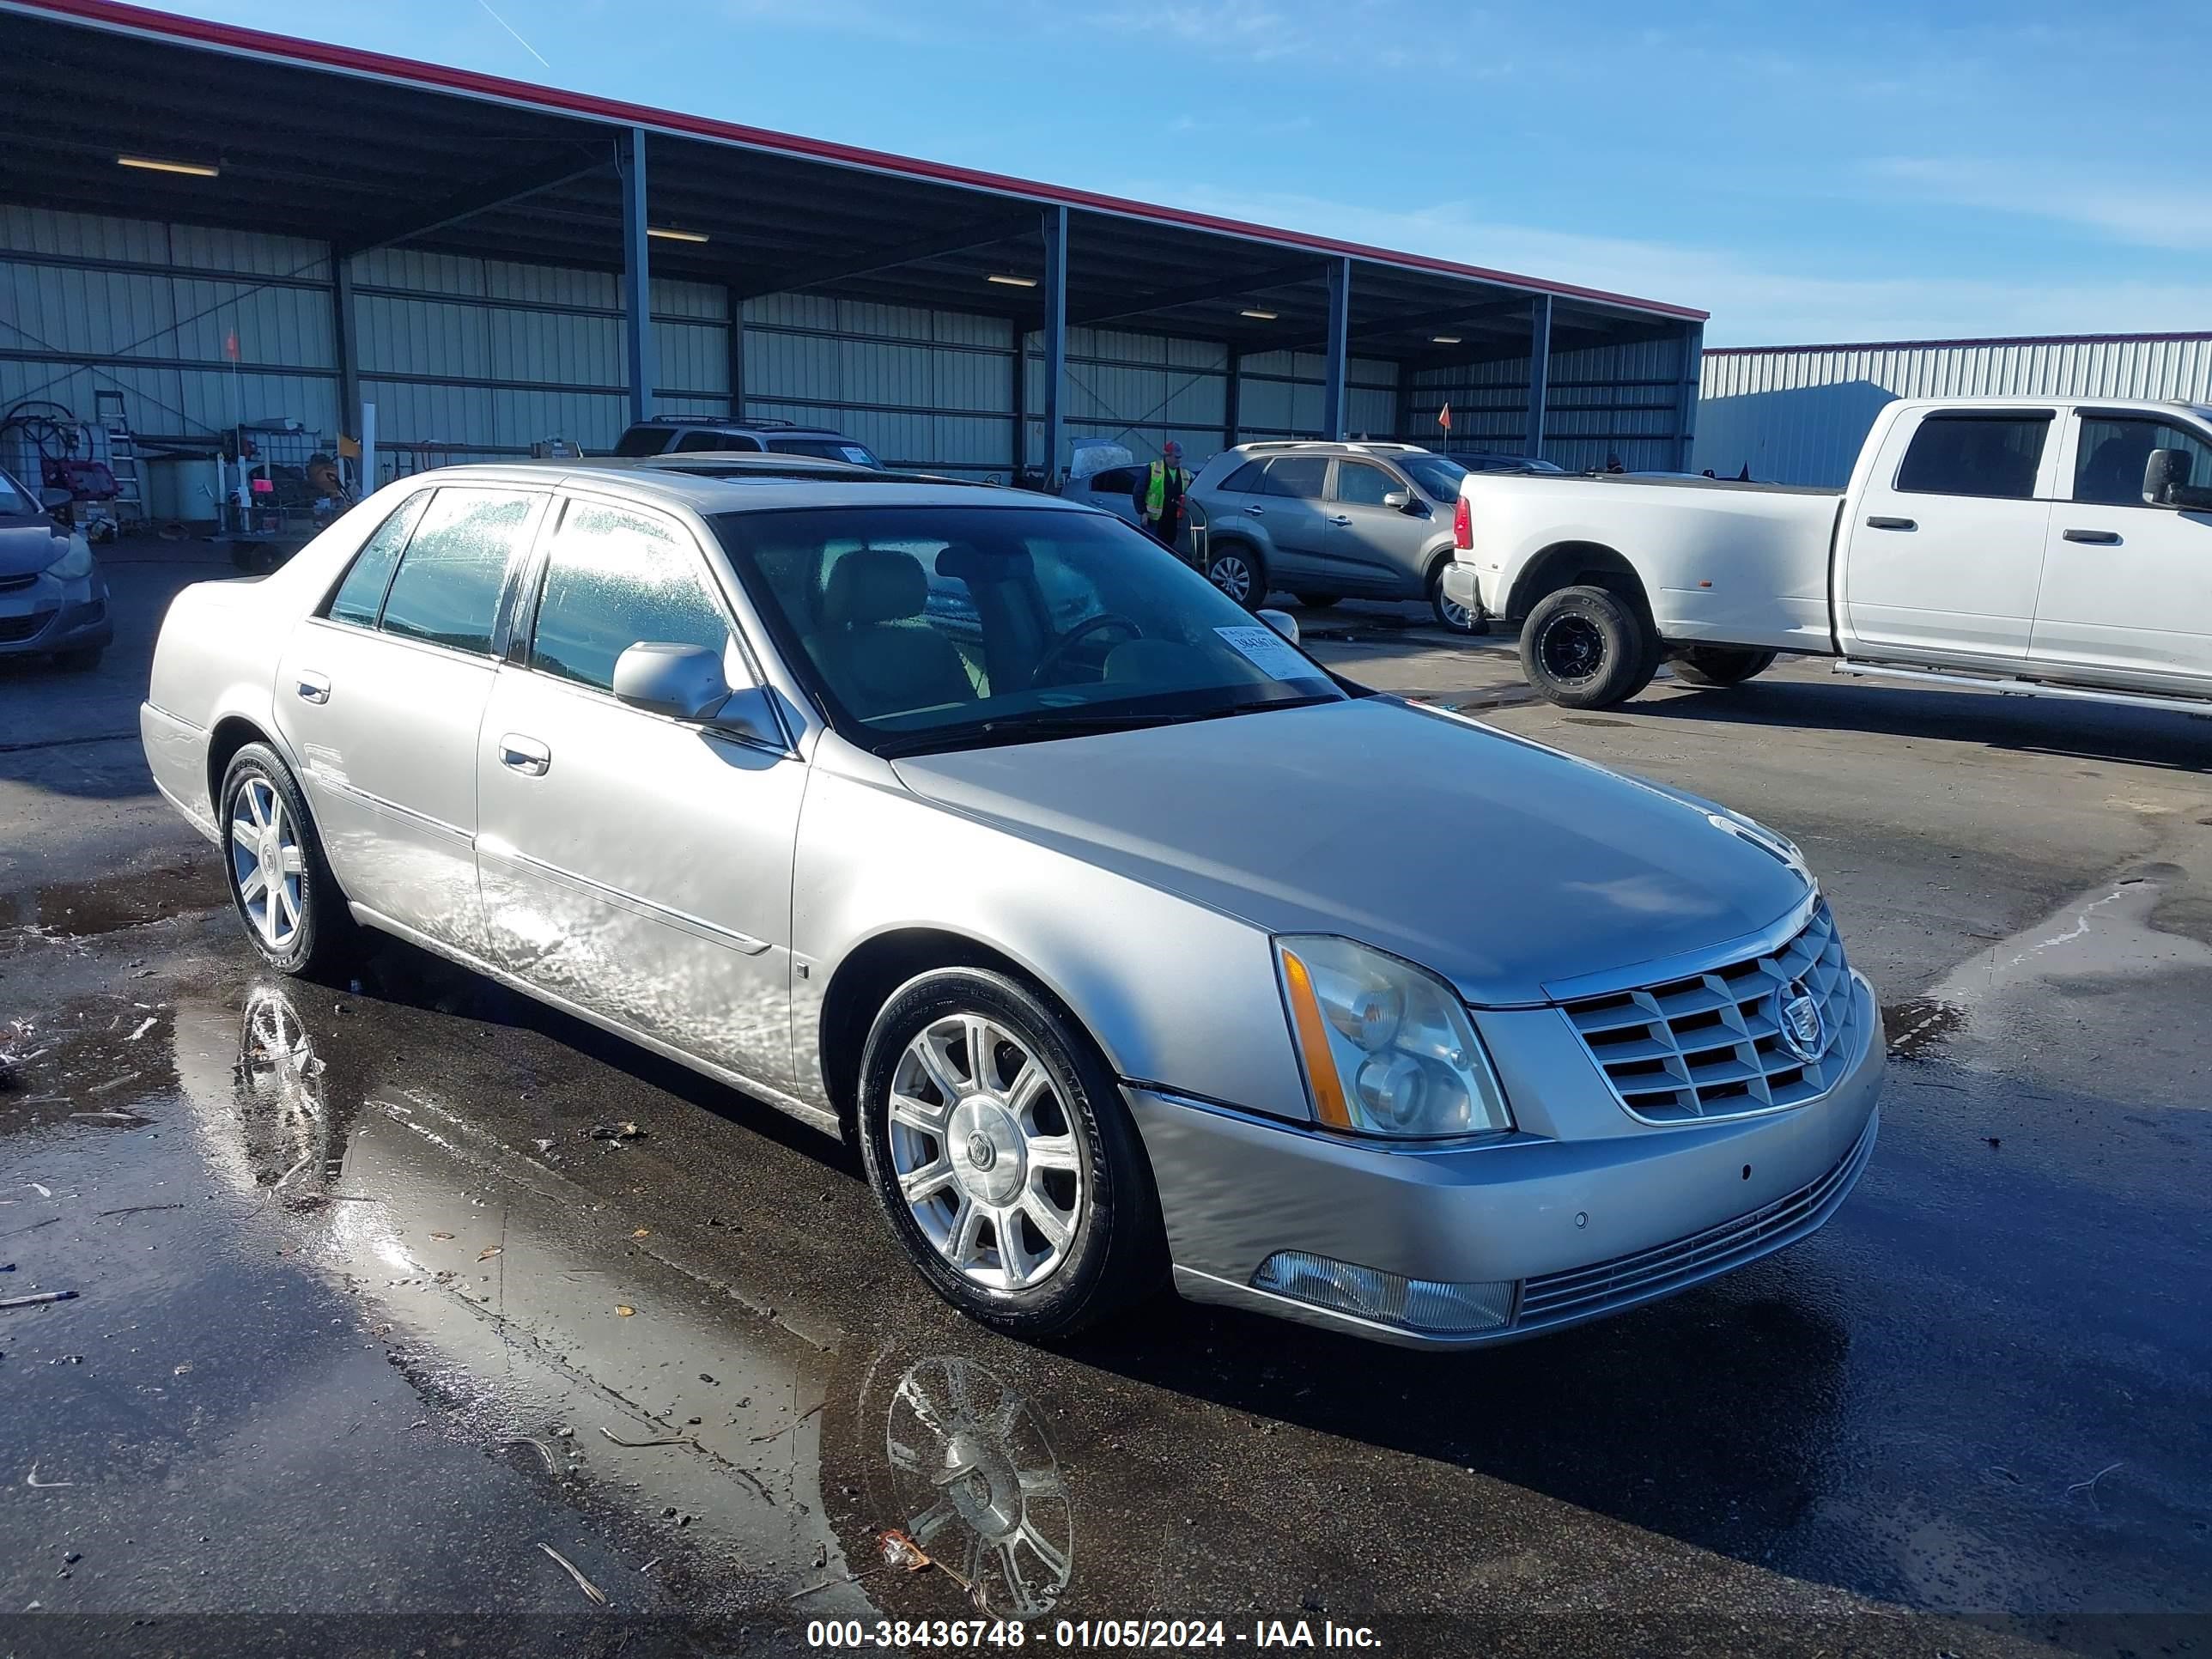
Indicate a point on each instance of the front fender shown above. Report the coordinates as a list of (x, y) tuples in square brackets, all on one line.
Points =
[(1175, 994)]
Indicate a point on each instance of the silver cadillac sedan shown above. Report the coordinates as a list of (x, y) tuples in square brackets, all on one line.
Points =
[(1126, 939)]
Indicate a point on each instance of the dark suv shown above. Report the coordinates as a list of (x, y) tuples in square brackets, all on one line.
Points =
[(689, 435)]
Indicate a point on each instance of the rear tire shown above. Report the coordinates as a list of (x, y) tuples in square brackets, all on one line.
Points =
[(281, 885), (1055, 1161), (1236, 569), (1719, 665), (1456, 617), (1587, 647)]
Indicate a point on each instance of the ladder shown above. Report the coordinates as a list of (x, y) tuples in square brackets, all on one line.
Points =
[(109, 412)]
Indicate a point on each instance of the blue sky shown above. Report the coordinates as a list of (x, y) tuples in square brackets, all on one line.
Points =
[(1869, 170)]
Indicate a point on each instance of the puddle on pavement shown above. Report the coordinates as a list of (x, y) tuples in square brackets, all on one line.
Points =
[(87, 909), (96, 1067), (1919, 1026)]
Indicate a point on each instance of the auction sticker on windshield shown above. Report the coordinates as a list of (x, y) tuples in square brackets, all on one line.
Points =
[(1267, 651)]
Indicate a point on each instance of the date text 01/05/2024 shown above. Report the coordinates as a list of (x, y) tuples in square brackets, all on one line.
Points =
[(1167, 1634)]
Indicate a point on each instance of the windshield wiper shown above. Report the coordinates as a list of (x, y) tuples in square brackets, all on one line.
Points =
[(1040, 725)]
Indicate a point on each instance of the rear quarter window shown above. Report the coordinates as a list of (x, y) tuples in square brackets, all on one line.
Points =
[(359, 597)]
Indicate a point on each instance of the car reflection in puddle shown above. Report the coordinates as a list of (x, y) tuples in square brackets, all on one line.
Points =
[(546, 1323)]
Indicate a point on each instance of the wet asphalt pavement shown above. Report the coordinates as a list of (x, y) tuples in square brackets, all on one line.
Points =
[(374, 1280)]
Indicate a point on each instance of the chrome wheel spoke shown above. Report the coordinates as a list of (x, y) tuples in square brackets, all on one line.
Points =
[(982, 1039), (290, 861), (937, 1065), (1054, 1152), (918, 1115), (242, 834), (1014, 1258), (1028, 1083), (1058, 1229), (919, 1186), (967, 1230), (253, 883)]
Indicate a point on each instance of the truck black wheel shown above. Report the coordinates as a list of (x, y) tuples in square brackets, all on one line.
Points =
[(1585, 647), (1720, 664), (999, 1147)]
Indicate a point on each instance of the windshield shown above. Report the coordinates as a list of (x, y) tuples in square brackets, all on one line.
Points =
[(943, 627), (1438, 477), (14, 498)]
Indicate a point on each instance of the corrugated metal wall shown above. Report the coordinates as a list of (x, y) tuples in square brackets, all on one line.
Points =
[(1603, 403), (1799, 415)]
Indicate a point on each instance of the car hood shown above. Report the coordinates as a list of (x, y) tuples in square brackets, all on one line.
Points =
[(28, 546), (1497, 863)]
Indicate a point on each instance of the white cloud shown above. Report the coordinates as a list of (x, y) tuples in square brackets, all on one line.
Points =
[(2164, 208), (1753, 301)]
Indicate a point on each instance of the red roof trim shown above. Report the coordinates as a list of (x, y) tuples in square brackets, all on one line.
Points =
[(1948, 345), (231, 38)]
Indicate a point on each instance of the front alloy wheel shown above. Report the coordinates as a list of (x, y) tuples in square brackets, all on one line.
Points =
[(1236, 574), (1003, 1156)]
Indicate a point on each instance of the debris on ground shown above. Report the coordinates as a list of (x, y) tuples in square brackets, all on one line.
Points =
[(622, 1131), (487, 1252), (665, 1440), (32, 1480), (577, 1573), (642, 1232), (137, 1209), (43, 1296), (793, 1424), (624, 1309), (901, 1550), (112, 1083), (144, 1026)]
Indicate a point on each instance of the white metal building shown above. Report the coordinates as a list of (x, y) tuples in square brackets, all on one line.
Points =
[(239, 226), (1797, 414)]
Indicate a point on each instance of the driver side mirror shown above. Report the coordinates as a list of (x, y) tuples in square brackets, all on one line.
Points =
[(688, 683), (1282, 622), (2166, 482), (1401, 500)]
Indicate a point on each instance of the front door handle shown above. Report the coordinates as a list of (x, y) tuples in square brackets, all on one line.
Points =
[(525, 754), (1878, 522), (1339, 518), (2102, 538), (1257, 512), (313, 686)]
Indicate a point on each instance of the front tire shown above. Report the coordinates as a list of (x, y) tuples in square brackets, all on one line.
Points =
[(1236, 569), (1003, 1157), (1719, 665), (1587, 647), (281, 884)]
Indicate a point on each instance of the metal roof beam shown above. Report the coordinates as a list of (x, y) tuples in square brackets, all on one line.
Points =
[(517, 183), (1258, 282), (1456, 317), (938, 245)]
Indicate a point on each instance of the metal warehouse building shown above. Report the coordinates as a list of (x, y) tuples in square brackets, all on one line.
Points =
[(227, 226), (1798, 414)]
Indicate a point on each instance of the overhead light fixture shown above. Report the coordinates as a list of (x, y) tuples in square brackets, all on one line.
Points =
[(1443, 339), (1011, 281), (669, 234), (1258, 316), (152, 164)]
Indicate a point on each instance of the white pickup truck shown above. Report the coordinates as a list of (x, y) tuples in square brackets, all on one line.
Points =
[(2050, 547)]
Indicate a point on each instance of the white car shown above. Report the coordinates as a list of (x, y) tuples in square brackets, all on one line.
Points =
[(2054, 548)]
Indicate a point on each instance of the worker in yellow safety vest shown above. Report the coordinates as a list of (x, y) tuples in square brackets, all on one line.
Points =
[(1159, 495)]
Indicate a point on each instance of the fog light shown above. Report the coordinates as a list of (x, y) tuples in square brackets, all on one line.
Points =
[(1415, 1304)]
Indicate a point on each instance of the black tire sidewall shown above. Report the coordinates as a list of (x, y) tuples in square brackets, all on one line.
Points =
[(1112, 1258), (1255, 595), (1719, 666), (324, 922), (1629, 658)]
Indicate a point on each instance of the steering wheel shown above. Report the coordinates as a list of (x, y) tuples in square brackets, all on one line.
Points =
[(1089, 625)]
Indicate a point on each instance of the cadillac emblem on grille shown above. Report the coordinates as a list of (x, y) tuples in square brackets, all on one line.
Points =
[(1804, 1028)]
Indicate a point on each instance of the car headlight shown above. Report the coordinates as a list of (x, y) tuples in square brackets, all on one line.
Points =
[(74, 564), (1387, 1048)]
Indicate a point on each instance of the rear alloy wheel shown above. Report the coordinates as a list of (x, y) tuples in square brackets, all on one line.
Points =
[(1457, 617), (1586, 647), (1003, 1157), (1720, 664), (1235, 571), (282, 887)]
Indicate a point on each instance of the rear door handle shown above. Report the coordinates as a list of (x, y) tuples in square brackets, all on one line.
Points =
[(313, 686), (1878, 522), (2103, 538), (525, 754)]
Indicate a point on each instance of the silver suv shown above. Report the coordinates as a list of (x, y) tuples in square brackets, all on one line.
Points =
[(1328, 521), (688, 434)]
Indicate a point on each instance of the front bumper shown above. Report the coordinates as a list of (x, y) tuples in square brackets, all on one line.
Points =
[(51, 616), (1582, 1227)]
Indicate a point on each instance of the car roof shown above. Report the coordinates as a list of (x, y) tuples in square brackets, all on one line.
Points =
[(721, 424), (711, 484)]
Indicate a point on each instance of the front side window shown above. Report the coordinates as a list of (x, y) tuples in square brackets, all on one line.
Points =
[(1304, 477), (1992, 455), (2113, 450), (14, 499), (361, 595), (615, 579), (1359, 484), (928, 627), (450, 578)]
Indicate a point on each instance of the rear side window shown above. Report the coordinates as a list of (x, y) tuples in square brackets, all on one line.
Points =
[(1302, 476), (361, 595), (642, 440), (450, 578), (615, 579), (692, 443), (2108, 463), (1992, 455)]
